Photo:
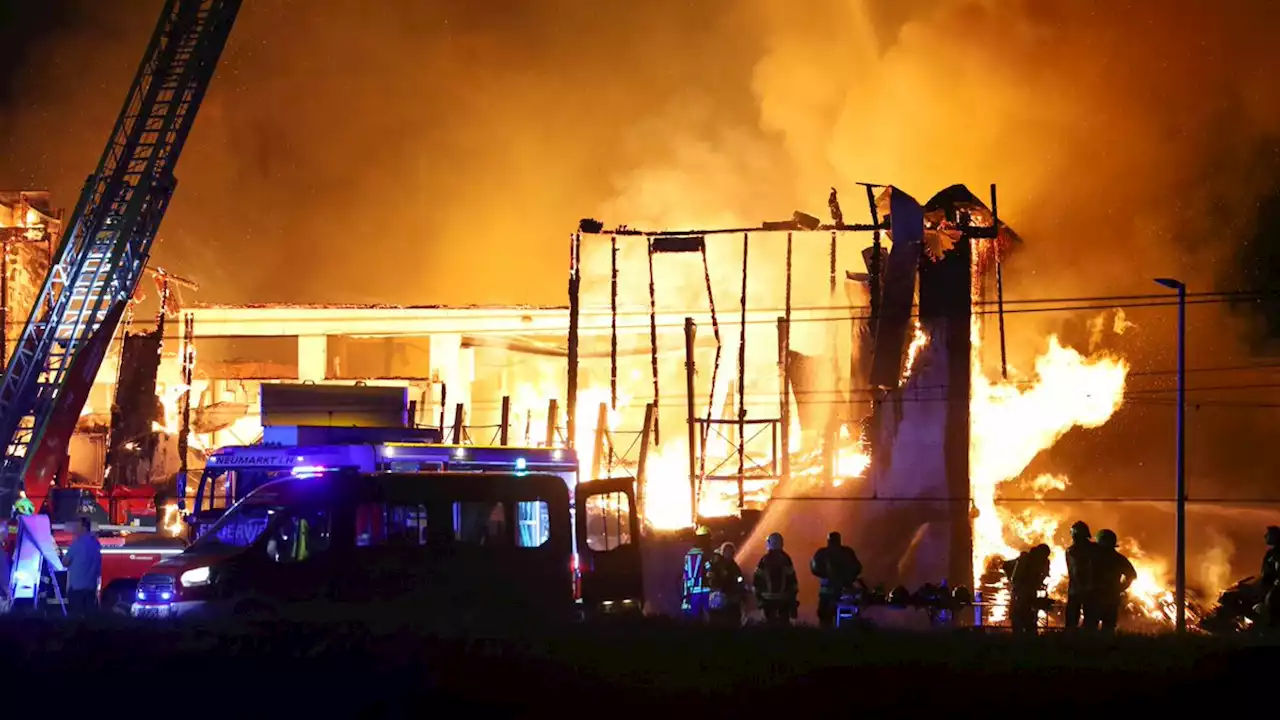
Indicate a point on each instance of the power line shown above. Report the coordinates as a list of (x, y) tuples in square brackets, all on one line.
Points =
[(522, 330), (1087, 302)]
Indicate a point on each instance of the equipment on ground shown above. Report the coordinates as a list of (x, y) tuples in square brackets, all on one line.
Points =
[(1236, 609)]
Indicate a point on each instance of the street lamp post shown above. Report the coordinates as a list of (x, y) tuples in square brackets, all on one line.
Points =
[(1180, 552)]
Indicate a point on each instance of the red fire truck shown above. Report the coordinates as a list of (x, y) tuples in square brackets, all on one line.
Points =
[(127, 553)]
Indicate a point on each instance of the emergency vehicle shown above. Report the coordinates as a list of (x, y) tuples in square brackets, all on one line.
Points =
[(441, 545), (231, 473)]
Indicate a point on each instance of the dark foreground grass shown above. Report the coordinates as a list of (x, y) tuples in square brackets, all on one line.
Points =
[(614, 670)]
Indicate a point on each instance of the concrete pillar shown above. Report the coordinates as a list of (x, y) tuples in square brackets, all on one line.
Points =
[(453, 370), (313, 357)]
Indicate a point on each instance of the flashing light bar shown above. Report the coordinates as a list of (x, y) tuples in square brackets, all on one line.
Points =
[(307, 471)]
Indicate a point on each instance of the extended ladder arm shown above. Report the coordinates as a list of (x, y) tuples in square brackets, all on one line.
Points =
[(108, 239)]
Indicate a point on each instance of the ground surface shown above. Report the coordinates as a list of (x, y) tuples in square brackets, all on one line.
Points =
[(620, 671)]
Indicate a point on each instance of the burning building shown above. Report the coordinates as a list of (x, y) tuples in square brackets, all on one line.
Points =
[(721, 371), (30, 228), (871, 411)]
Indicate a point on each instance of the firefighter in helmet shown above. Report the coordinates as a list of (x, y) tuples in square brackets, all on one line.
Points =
[(696, 563), (1027, 575), (775, 583), (724, 578), (1079, 565), (1112, 575), (1270, 579), (837, 567)]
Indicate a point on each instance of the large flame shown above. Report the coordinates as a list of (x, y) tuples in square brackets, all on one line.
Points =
[(1012, 422)]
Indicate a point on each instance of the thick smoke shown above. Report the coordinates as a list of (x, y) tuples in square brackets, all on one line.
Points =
[(440, 152), (1125, 139), (397, 151)]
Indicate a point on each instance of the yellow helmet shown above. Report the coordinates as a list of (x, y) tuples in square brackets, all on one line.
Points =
[(703, 531)]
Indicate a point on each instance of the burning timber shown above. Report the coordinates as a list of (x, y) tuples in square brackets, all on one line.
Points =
[(793, 407)]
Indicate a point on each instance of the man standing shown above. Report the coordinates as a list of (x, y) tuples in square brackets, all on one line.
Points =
[(775, 583), (837, 567), (696, 562), (1079, 565), (1026, 578), (724, 577), (84, 568), (1112, 575)]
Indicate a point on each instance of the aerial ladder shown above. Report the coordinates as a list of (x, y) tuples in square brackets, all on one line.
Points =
[(104, 250)]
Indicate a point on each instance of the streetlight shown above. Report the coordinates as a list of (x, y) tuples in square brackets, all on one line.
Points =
[(1180, 552)]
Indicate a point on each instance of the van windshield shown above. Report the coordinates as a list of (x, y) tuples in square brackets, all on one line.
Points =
[(239, 528)]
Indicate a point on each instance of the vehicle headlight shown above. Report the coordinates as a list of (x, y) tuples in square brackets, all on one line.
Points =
[(194, 578)]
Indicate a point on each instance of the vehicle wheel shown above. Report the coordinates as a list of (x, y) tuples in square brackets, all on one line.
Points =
[(117, 598)]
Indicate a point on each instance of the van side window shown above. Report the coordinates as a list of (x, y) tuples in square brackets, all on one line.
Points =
[(533, 523), (388, 524), (608, 521), (481, 523), (301, 534)]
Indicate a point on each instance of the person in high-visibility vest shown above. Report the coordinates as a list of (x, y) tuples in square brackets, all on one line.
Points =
[(696, 592), (23, 505), (300, 543)]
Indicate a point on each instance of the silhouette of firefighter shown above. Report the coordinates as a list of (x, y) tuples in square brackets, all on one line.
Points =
[(1112, 575), (724, 578), (1269, 585), (1079, 581), (1027, 574), (775, 583), (696, 563), (837, 567)]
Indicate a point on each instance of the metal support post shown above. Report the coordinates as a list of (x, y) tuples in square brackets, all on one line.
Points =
[(742, 380), (553, 416), (646, 433), (504, 432), (575, 282), (995, 225), (1180, 551), (690, 333)]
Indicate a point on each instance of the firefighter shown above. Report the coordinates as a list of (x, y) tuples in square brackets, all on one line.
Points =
[(837, 567), (1112, 575), (23, 505), (724, 578), (1270, 579), (775, 583), (1079, 565), (696, 563), (1027, 575)]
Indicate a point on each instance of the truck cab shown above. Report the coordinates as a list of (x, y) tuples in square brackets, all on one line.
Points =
[(443, 545)]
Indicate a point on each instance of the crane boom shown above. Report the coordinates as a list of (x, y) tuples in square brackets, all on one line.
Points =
[(104, 250)]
